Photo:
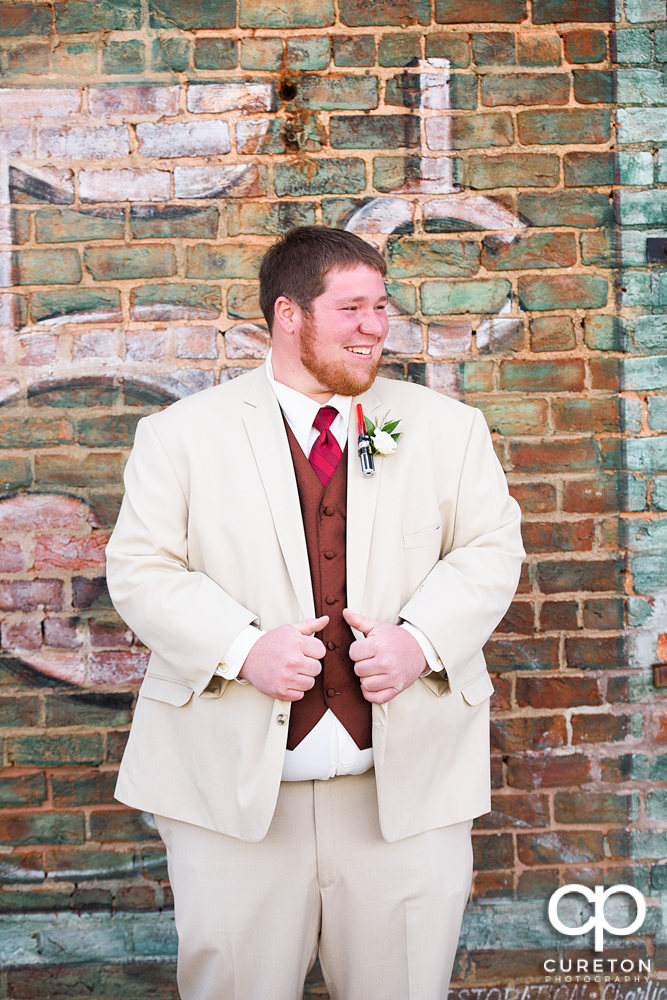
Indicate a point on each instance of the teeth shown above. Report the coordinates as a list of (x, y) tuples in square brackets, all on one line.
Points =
[(360, 350)]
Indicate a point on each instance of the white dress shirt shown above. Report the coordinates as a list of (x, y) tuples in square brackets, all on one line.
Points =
[(328, 749)]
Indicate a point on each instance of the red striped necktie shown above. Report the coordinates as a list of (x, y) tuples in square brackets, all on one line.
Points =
[(325, 453)]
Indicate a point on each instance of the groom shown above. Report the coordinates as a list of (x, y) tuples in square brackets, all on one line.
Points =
[(312, 730)]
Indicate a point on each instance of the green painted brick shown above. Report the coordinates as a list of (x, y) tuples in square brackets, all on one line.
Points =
[(648, 843), (337, 212), (364, 13), (659, 493), (176, 301), (374, 132), (403, 296), (642, 207), (604, 333), (226, 260), (24, 19), (467, 12), (261, 53), (46, 267), (404, 91), (269, 143), (42, 828), (116, 825), (62, 225), (54, 749), (315, 177), (26, 790), (476, 376), (563, 292), (29, 59), (563, 127), (539, 50), (649, 574), (594, 86), (632, 46), (170, 54), (354, 50), (90, 708), (453, 46), (431, 258), (308, 53), (636, 288), (660, 37), (216, 53), (79, 866), (155, 864), (15, 472), (17, 432), (564, 375), (107, 431), (514, 416), (662, 165), (477, 131), (399, 50), (657, 413), (267, 219), (48, 305), (243, 302), (19, 712), (649, 334), (533, 251), (508, 170), (550, 11), (290, 14), (635, 168), (337, 93), (640, 86), (525, 88), (566, 208), (635, 124), (637, 11), (148, 221), (464, 296), (192, 14), (493, 48), (73, 16), (643, 373), (91, 788), (588, 169), (109, 263), (123, 57)]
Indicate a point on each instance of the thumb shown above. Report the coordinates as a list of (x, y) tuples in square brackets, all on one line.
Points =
[(311, 625), (361, 623)]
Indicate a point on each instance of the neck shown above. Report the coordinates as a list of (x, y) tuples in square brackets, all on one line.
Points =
[(292, 373)]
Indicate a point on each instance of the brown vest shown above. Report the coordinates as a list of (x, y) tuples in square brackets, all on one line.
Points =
[(337, 686)]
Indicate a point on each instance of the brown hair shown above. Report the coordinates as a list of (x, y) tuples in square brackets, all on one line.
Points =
[(296, 265)]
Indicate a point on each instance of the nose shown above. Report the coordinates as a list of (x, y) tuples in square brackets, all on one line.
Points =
[(374, 323)]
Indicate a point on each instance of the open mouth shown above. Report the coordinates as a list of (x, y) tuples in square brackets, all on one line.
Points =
[(363, 351)]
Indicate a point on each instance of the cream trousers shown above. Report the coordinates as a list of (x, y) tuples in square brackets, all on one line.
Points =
[(251, 918)]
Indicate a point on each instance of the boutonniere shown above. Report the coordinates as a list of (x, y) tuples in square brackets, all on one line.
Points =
[(383, 434)]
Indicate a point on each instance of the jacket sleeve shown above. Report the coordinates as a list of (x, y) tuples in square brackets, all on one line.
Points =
[(466, 594), (184, 618)]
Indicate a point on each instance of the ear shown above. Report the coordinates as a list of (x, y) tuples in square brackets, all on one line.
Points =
[(287, 315)]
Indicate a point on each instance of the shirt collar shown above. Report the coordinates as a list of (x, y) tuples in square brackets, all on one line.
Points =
[(299, 409)]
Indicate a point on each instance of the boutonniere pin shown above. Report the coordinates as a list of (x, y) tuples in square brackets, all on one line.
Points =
[(379, 438)]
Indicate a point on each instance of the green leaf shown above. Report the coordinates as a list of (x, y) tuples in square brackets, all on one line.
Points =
[(391, 426), (370, 426)]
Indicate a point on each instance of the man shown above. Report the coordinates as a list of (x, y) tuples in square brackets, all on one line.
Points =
[(312, 731)]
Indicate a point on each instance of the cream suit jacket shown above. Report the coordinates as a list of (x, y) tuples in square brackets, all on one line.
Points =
[(210, 539)]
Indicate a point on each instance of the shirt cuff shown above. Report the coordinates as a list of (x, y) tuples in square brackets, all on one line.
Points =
[(434, 663), (235, 656)]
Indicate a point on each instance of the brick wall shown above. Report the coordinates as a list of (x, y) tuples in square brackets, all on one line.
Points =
[(509, 161)]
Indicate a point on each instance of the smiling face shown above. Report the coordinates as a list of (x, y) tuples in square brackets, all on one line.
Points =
[(337, 348)]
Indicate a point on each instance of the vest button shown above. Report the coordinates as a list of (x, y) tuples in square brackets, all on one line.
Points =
[(331, 600), (331, 645), (331, 692), (329, 511), (329, 553)]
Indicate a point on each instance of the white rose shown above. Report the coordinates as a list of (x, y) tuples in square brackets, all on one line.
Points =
[(384, 443)]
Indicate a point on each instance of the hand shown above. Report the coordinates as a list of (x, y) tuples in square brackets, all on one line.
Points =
[(284, 662), (387, 660)]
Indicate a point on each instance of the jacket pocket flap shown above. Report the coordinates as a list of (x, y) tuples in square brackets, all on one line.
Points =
[(478, 689), (422, 538), (164, 689)]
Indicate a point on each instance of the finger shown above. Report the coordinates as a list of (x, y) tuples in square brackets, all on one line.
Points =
[(310, 666), (379, 697), (377, 682), (313, 647), (311, 625), (360, 622), (362, 649)]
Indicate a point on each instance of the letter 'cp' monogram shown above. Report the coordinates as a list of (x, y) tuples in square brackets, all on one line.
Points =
[(598, 898)]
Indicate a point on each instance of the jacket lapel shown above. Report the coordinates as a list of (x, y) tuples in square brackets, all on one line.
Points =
[(268, 440), (362, 497)]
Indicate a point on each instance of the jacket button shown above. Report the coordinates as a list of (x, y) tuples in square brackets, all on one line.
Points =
[(329, 553), (331, 645), (331, 692), (329, 511), (330, 600), (281, 720)]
